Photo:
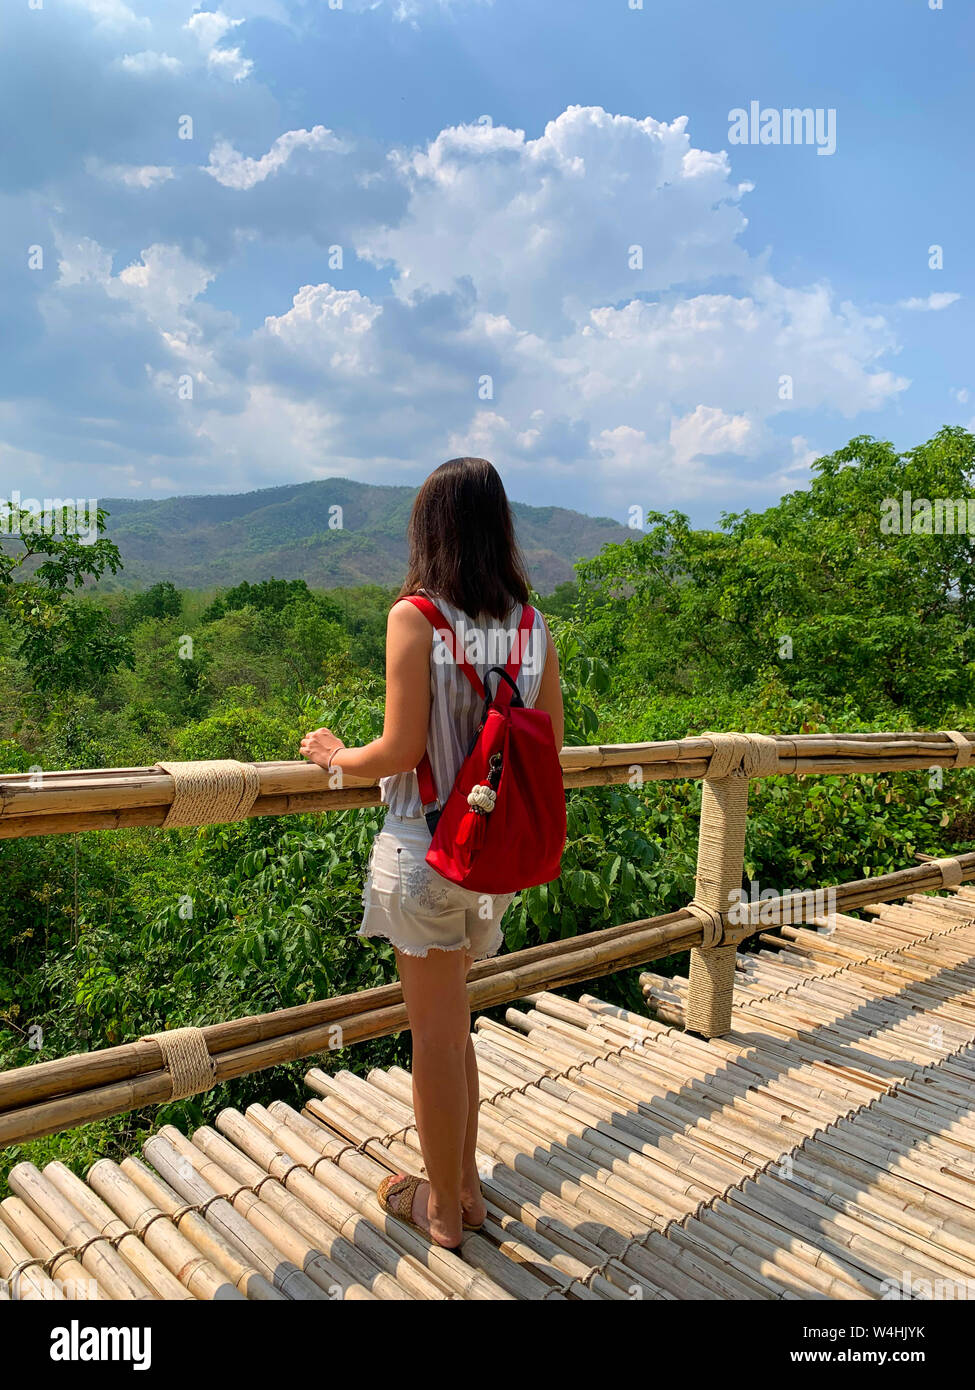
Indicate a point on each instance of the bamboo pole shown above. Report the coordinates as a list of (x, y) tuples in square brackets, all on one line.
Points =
[(252, 1244), (115, 1276), (292, 1237), (354, 1176), (200, 1233), (128, 1061), (515, 1238), (63, 802), (31, 1284), (201, 1278), (42, 1243), (358, 1272), (340, 1214), (588, 959), (720, 859), (129, 1247)]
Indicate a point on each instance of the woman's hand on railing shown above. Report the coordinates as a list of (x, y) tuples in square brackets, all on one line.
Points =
[(320, 745)]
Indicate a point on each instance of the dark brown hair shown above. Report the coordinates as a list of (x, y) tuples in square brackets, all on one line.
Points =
[(462, 541)]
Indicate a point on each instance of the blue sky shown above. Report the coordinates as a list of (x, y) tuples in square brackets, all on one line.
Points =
[(177, 318)]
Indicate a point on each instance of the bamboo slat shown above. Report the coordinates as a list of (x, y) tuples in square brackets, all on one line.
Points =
[(823, 1149), (41, 1242)]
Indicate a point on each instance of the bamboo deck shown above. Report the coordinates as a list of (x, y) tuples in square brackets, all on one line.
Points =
[(823, 1149)]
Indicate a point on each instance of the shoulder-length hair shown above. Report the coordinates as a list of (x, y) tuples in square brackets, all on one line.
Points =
[(462, 541)]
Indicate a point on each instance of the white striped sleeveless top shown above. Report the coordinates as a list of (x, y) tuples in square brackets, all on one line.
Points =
[(455, 707)]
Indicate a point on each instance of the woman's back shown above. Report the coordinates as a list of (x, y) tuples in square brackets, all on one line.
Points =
[(455, 707)]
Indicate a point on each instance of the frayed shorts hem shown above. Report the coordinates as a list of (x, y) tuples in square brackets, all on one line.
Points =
[(406, 950)]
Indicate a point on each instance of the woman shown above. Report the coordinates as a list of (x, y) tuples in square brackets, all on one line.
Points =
[(463, 556)]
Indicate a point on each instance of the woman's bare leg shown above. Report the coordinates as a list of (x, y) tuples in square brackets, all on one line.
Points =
[(435, 994), (472, 1201)]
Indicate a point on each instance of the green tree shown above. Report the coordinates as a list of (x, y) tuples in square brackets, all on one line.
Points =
[(66, 641), (813, 592), (159, 601)]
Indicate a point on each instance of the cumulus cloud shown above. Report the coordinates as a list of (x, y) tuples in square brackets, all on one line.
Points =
[(131, 175), (208, 27), (931, 304), (235, 170), (576, 304), (598, 208), (111, 14), (615, 405), (148, 62), (160, 284)]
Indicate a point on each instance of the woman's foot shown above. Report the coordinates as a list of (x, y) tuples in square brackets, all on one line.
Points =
[(423, 1213), (472, 1205)]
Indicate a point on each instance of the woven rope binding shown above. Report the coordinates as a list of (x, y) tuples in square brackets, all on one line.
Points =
[(735, 759), (187, 1059), (964, 754), (950, 870), (742, 755), (211, 792)]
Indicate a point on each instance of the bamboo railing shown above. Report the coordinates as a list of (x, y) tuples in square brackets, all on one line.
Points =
[(55, 1095), (59, 803)]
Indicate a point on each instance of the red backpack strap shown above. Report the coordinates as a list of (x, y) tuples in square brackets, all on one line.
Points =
[(440, 624), (436, 619), (518, 650)]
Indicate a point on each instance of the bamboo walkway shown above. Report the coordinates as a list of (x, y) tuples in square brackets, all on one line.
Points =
[(824, 1148)]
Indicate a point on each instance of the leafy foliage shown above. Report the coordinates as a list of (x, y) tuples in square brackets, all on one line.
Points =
[(108, 935)]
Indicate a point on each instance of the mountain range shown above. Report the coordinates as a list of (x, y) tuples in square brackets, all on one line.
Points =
[(200, 542)]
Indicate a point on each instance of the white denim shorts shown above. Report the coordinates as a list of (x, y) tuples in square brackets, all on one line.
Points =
[(417, 909)]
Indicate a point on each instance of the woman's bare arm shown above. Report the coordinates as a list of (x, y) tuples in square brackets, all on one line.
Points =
[(404, 737), (550, 691)]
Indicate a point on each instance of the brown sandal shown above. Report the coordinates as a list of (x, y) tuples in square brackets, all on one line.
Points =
[(470, 1226), (404, 1188)]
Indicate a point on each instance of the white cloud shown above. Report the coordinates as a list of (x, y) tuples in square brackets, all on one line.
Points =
[(235, 170), (160, 285), (83, 260), (709, 430), (148, 62), (510, 261), (230, 63), (130, 175), (549, 227), (932, 304), (208, 27), (112, 14)]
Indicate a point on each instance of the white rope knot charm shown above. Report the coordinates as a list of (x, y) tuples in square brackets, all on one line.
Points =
[(482, 798)]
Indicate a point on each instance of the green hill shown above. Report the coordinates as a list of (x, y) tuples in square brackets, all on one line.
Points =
[(211, 542)]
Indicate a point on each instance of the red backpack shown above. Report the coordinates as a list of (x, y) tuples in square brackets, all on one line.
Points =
[(503, 826)]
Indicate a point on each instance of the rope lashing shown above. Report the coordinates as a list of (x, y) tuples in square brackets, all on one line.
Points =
[(211, 792), (187, 1059), (950, 870), (964, 755), (711, 920), (735, 759), (742, 755)]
